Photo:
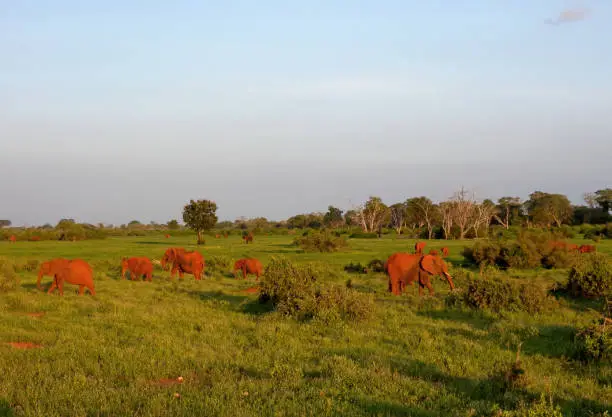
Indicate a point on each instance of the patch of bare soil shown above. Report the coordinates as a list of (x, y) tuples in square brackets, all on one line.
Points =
[(252, 290), (24, 345)]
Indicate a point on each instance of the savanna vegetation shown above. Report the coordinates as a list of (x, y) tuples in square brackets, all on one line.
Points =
[(526, 332)]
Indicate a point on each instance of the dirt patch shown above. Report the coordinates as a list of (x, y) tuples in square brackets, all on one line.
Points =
[(252, 290), (37, 315), (167, 382), (24, 345)]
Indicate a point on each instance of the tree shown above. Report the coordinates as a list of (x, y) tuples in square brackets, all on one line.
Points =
[(421, 211), (446, 211), (508, 210), (590, 199), (5, 223), (333, 218), (548, 209), (200, 216), (173, 225), (350, 217), (398, 217), (372, 215), (463, 208), (134, 223), (604, 199), (483, 214)]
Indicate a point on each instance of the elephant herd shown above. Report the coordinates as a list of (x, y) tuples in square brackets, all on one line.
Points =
[(79, 272)]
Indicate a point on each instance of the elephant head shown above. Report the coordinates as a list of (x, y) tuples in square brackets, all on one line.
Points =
[(52, 267), (434, 265), (170, 256)]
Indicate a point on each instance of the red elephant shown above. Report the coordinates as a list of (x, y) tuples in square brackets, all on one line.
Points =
[(405, 268), (12, 239), (167, 236), (35, 238), (217, 236), (76, 272), (184, 262), (248, 266), (434, 252), (138, 267), (587, 249), (248, 238), (572, 247), (419, 247), (444, 252)]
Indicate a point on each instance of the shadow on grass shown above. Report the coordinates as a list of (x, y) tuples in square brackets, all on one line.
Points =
[(477, 319), (6, 409), (552, 342), (387, 408), (240, 303), (150, 242)]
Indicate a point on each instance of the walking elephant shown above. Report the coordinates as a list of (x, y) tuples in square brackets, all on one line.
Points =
[(406, 268), (419, 247), (12, 239), (76, 272), (248, 266), (138, 267), (248, 238), (445, 252), (184, 262), (587, 249)]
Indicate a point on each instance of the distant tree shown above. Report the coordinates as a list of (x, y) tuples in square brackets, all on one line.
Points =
[(590, 199), (421, 211), (5, 223), (298, 221), (173, 224), (463, 206), (46, 226), (200, 216), (65, 222), (372, 215), (548, 209), (333, 218), (508, 211), (446, 213), (134, 223), (350, 217), (225, 225), (483, 215), (604, 199), (398, 214)]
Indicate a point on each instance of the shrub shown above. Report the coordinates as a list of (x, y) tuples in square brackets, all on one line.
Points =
[(541, 408), (376, 265), (324, 241), (218, 263), (295, 291), (594, 343), (503, 294), (567, 232), (363, 235), (355, 268), (560, 258), (591, 276), (9, 280), (482, 252)]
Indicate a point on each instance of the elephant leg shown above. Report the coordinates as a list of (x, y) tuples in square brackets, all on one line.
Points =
[(244, 273), (81, 289), (53, 287), (420, 289), (91, 289), (60, 286)]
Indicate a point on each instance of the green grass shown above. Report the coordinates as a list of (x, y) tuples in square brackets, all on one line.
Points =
[(105, 356)]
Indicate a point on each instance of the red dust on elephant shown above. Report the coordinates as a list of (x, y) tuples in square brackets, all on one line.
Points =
[(138, 267), (248, 266), (406, 268), (184, 262), (76, 272)]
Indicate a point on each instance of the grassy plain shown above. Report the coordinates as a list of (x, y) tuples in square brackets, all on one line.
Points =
[(119, 353)]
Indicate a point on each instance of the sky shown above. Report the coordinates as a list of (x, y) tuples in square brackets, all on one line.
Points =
[(120, 110)]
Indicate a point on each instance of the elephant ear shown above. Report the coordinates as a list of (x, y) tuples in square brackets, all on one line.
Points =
[(429, 264)]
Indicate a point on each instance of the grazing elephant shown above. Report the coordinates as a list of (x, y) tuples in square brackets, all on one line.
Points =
[(167, 236), (138, 267), (184, 262), (434, 252), (217, 236), (403, 268), (248, 266), (12, 239), (444, 252), (77, 272), (572, 247), (587, 249), (248, 238), (225, 235), (419, 247), (35, 238)]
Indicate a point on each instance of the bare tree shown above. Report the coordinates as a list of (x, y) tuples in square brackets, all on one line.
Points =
[(463, 207), (371, 215), (422, 212), (398, 217), (483, 214), (446, 210)]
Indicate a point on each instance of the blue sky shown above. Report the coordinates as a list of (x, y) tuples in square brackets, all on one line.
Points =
[(125, 110)]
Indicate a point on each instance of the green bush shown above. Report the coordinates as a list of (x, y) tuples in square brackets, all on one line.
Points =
[(559, 258), (483, 252), (296, 291), (324, 241), (376, 265), (363, 235), (594, 343), (499, 294), (567, 232), (219, 263), (9, 281), (355, 268), (541, 408), (591, 276)]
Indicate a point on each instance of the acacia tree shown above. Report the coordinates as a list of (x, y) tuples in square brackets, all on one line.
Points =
[(548, 209), (421, 211), (398, 217), (173, 225), (371, 215), (333, 218), (5, 223), (200, 216), (508, 209), (604, 199)]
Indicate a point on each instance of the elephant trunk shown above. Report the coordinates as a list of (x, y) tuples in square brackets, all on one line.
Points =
[(41, 273), (450, 280)]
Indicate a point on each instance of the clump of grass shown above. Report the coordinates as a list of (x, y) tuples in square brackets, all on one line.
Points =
[(356, 268), (218, 263), (324, 241), (298, 291), (9, 280), (591, 277), (593, 343)]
